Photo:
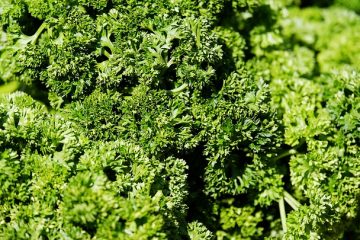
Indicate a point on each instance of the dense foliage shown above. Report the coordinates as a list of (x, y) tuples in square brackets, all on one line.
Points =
[(179, 119)]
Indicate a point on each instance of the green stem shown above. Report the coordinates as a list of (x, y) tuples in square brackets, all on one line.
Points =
[(105, 42), (179, 89), (285, 154), (290, 151), (35, 37), (291, 200), (282, 214), (9, 87), (107, 54)]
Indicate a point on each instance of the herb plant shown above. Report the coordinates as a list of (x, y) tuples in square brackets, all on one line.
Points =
[(179, 119)]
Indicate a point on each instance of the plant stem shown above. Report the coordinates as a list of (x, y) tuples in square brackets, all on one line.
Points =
[(107, 54), (105, 42), (291, 200), (285, 154), (38, 32), (282, 214), (179, 89)]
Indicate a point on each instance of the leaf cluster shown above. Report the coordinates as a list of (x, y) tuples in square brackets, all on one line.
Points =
[(177, 119)]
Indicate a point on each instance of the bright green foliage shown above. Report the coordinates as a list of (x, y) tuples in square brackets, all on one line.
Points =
[(350, 4), (328, 174), (198, 232), (317, 92), (240, 223), (331, 33), (179, 119), (65, 185)]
